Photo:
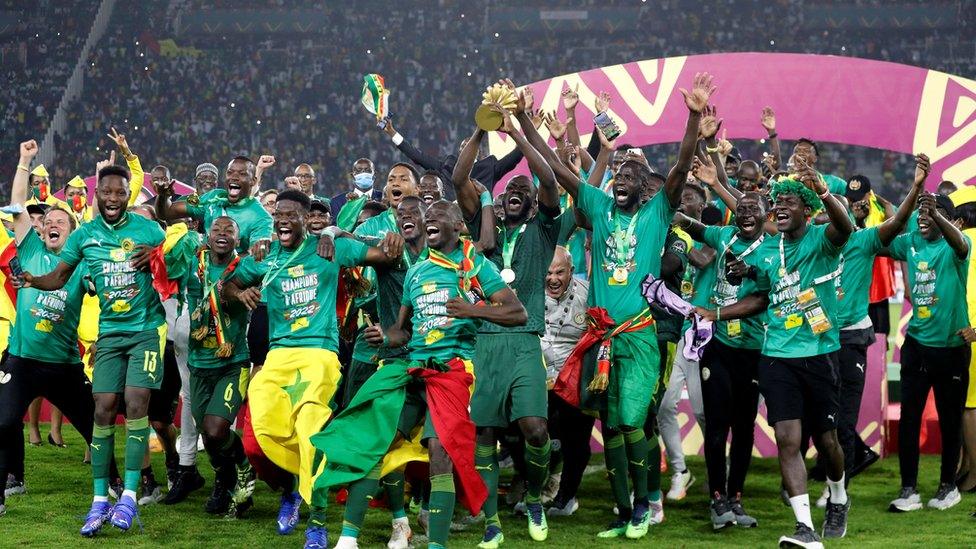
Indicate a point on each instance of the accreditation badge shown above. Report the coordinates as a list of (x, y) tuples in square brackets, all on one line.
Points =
[(734, 328), (813, 311)]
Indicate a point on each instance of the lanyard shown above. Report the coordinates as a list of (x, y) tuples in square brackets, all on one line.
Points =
[(816, 281), (269, 276), (752, 247), (621, 240), (508, 245)]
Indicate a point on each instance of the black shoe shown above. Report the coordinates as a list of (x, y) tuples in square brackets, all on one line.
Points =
[(219, 501), (742, 519), (50, 440), (186, 481), (721, 512), (835, 519), (804, 536), (868, 457)]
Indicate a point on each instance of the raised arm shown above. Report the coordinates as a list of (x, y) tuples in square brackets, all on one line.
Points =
[(841, 226), (413, 153), (768, 119), (501, 307), (696, 100), (895, 224), (707, 172), (570, 100), (132, 161), (19, 188), (388, 253), (264, 162), (166, 209), (695, 229), (952, 234), (548, 194), (467, 195)]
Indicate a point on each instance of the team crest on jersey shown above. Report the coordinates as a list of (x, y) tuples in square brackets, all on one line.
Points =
[(299, 323), (433, 336), (128, 245), (121, 306), (429, 287), (44, 326), (118, 254), (923, 266)]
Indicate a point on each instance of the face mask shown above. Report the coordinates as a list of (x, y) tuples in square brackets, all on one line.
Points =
[(363, 181)]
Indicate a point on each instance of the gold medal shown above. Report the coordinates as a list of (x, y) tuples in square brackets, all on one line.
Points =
[(508, 276), (620, 275)]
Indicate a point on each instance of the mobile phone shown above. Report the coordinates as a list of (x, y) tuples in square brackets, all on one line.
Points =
[(607, 126), (15, 268), (381, 124)]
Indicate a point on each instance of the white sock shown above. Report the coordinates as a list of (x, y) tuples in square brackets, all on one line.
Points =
[(801, 508), (838, 494), (100, 499), (130, 493), (404, 520)]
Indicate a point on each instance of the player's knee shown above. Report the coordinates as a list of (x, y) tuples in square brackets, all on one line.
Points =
[(215, 429), (535, 431)]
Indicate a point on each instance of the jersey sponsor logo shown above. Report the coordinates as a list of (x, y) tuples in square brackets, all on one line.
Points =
[(121, 306), (4, 377)]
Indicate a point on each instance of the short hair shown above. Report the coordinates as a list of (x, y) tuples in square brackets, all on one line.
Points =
[(699, 191), (810, 142), (267, 193), (161, 167), (372, 206), (758, 197), (251, 166), (120, 171), (231, 219), (72, 220), (296, 196), (413, 171), (414, 199), (452, 209), (967, 214)]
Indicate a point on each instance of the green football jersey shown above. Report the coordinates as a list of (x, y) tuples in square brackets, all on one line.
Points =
[(127, 299), (252, 219), (46, 328), (300, 289), (854, 282), (202, 353), (746, 333)]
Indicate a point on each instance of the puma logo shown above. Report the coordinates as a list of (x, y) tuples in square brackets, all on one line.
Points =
[(138, 438), (96, 447), (229, 407), (151, 376), (638, 463), (860, 366), (830, 417), (482, 467), (4, 378)]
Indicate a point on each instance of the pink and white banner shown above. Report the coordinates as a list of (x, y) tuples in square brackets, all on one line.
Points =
[(825, 98)]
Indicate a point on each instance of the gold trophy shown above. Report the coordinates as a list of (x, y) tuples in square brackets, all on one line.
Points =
[(488, 119)]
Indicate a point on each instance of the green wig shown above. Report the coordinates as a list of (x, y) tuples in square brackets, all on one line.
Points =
[(788, 185)]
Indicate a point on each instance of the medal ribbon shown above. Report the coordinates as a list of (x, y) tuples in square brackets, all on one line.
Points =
[(752, 247), (467, 274), (210, 297), (508, 245), (272, 275)]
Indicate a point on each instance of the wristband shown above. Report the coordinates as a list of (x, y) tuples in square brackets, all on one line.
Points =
[(22, 167), (824, 195), (332, 231), (397, 138), (773, 135), (386, 341), (711, 150), (718, 314), (485, 199)]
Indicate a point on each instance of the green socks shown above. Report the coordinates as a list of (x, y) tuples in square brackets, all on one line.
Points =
[(441, 508), (654, 469), (486, 462), (316, 516), (393, 485), (637, 450), (615, 455), (360, 492), (536, 470), (102, 447), (136, 443)]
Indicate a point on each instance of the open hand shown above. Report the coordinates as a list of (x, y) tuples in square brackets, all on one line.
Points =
[(709, 124), (557, 129), (570, 97), (701, 90), (705, 171), (140, 259), (602, 102), (768, 119)]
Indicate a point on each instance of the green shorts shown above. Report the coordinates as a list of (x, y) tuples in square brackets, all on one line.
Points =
[(355, 376), (415, 412), (218, 391), (129, 359), (510, 379), (635, 366)]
